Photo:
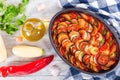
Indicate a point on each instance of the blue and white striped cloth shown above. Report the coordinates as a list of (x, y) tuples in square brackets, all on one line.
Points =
[(109, 10)]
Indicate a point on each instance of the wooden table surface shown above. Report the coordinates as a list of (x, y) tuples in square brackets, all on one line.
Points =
[(51, 7)]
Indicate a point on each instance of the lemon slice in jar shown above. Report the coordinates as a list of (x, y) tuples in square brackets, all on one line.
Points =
[(33, 29)]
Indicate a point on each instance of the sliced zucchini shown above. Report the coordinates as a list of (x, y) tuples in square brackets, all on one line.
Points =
[(61, 37), (73, 34)]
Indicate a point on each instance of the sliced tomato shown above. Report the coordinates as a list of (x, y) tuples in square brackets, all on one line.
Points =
[(99, 36), (86, 59), (62, 50), (95, 30), (74, 15), (60, 30), (76, 39), (103, 60), (90, 19), (61, 19), (67, 22), (100, 27), (113, 48), (108, 36), (72, 27), (105, 47)]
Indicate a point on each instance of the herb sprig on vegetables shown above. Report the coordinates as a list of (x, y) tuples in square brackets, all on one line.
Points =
[(10, 18)]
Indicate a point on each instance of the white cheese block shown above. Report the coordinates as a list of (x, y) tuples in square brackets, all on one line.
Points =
[(27, 51), (3, 52)]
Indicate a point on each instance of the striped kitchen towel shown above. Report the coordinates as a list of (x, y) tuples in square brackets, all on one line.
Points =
[(109, 10)]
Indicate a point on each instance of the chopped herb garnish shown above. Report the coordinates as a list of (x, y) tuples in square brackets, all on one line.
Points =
[(95, 50), (103, 40), (104, 32), (113, 54), (79, 16)]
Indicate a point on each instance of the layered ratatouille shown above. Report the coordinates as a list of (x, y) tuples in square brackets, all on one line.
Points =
[(85, 41)]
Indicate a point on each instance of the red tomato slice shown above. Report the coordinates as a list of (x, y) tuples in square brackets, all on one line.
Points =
[(113, 48), (106, 46), (100, 27), (108, 36), (103, 59), (90, 19), (61, 30), (95, 30), (62, 50), (73, 27), (86, 59), (74, 15)]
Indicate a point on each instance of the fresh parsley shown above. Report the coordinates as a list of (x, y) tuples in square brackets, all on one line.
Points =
[(9, 16)]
